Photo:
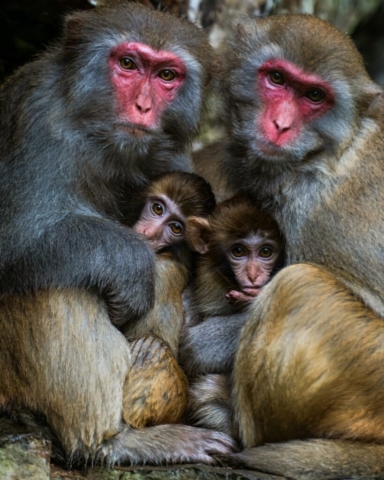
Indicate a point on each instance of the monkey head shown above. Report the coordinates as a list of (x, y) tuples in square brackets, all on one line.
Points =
[(241, 242), (170, 200), (139, 71), (297, 91)]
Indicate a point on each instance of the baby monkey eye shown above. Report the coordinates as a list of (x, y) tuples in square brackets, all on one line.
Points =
[(176, 228), (127, 63), (276, 77), (266, 252), (167, 75), (238, 251), (315, 95), (157, 209)]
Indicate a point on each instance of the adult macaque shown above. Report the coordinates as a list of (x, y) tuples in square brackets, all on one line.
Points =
[(240, 247), (84, 128), (306, 136), (156, 388)]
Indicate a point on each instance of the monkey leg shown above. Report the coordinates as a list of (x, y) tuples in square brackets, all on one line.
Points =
[(309, 363), (61, 356), (209, 403), (156, 388)]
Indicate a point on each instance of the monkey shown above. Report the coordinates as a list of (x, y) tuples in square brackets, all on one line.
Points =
[(156, 387), (169, 200), (85, 127), (241, 249), (168, 203), (305, 136)]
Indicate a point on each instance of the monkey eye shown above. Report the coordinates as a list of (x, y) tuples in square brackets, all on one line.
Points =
[(167, 75), (127, 63), (315, 95), (176, 228), (238, 251), (266, 252), (157, 208), (276, 77)]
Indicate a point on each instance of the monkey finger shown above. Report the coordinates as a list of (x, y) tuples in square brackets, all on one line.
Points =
[(234, 296), (252, 292)]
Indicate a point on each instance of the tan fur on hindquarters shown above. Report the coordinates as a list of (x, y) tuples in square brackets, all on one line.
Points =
[(155, 389)]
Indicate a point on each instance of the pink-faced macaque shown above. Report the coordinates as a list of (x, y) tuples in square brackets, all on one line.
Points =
[(85, 127)]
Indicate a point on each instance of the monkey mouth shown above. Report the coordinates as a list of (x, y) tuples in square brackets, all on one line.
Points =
[(133, 130), (268, 150)]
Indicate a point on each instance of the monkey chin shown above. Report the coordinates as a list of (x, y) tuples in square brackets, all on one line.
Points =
[(137, 132)]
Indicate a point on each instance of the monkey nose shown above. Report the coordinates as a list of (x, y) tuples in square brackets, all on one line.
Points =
[(143, 110), (143, 104), (253, 275), (281, 126)]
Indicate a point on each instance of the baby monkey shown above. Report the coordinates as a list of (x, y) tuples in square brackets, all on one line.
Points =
[(170, 200), (156, 388), (241, 247)]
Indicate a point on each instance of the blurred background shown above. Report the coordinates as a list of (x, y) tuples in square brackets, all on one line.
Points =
[(27, 26)]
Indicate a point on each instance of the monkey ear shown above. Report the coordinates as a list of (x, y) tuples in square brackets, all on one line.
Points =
[(371, 95), (241, 26), (74, 25), (198, 232), (240, 30)]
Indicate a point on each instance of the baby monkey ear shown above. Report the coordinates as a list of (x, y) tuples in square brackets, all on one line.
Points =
[(198, 231)]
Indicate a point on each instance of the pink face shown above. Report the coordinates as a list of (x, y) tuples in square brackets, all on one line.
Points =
[(161, 222), (145, 82), (291, 98), (252, 261)]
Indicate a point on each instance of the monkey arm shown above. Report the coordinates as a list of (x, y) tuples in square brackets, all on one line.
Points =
[(87, 252), (210, 346)]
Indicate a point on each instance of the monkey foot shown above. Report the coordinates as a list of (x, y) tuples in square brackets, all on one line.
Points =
[(165, 444)]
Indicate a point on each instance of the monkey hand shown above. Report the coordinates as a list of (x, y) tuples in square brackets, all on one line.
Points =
[(245, 296), (129, 280)]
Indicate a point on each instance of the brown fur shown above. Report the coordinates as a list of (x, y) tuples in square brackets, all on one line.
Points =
[(191, 193), (27, 374), (231, 220), (156, 388), (207, 163), (166, 318)]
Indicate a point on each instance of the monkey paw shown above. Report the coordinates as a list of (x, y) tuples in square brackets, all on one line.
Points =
[(165, 444)]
